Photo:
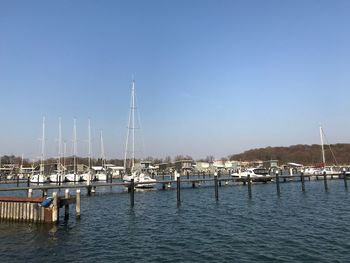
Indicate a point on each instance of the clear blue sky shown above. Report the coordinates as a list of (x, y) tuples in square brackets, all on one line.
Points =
[(212, 77)]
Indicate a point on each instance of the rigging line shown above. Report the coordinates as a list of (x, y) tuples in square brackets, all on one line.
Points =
[(140, 128), (329, 145)]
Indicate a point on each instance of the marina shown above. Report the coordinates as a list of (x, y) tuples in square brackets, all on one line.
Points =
[(262, 228)]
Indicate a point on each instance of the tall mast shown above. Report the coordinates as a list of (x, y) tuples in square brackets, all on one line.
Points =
[(42, 148), (89, 138), (64, 156), (133, 124), (130, 127), (102, 149), (75, 145), (323, 157), (59, 144)]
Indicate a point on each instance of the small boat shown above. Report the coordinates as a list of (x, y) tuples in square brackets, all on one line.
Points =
[(145, 180), (253, 172)]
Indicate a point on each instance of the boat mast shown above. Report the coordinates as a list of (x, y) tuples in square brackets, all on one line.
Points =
[(75, 145), (102, 149), (130, 127), (42, 148), (89, 138), (133, 124), (59, 144), (322, 147)]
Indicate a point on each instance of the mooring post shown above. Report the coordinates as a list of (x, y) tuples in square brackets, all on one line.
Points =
[(216, 187), (59, 180), (30, 192), (28, 181), (344, 177), (163, 174), (178, 189), (278, 183), (325, 181), (89, 190), (17, 180), (44, 192), (193, 184), (55, 207), (66, 207), (132, 192), (219, 175), (249, 186), (302, 182), (77, 204)]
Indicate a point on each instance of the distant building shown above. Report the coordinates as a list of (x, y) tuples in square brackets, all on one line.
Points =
[(184, 166)]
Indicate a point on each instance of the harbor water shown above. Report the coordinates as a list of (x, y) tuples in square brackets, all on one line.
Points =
[(311, 226)]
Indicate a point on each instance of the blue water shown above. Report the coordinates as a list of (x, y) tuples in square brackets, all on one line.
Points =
[(294, 227)]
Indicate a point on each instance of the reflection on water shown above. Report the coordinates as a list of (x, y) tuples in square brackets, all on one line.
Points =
[(294, 227)]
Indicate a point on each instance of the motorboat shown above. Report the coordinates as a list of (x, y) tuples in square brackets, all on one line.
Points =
[(253, 172), (141, 180)]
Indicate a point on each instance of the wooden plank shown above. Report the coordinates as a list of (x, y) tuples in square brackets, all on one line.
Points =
[(31, 212), (1, 210), (21, 199), (42, 214), (35, 212)]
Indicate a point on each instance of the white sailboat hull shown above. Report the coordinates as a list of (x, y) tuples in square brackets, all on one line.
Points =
[(72, 177), (37, 178), (101, 177), (55, 178)]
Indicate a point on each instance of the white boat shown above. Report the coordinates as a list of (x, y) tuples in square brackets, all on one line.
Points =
[(253, 172), (56, 178), (138, 176), (72, 177), (38, 178)]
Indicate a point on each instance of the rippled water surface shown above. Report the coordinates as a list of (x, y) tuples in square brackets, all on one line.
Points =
[(295, 227)]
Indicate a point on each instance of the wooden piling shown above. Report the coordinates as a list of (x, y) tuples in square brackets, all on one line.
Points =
[(55, 207), (66, 207), (77, 204), (325, 181), (89, 190), (178, 189), (132, 192), (30, 192), (302, 182), (345, 181), (216, 187), (249, 186), (278, 183)]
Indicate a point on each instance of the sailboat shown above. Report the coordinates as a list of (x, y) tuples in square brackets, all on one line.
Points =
[(327, 169), (74, 177), (101, 173), (87, 176), (57, 177), (138, 176), (40, 178)]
